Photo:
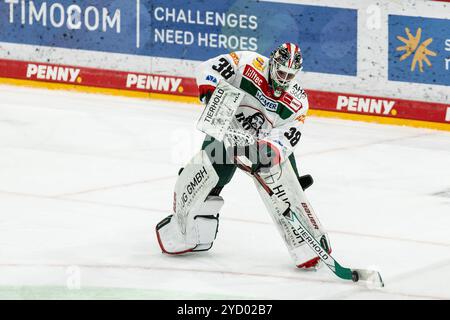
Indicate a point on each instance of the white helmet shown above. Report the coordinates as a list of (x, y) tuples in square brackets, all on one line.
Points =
[(285, 62)]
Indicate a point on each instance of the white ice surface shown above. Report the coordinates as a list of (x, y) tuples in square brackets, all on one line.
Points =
[(85, 178)]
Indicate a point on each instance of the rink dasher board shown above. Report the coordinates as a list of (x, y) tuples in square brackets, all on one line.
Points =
[(184, 89)]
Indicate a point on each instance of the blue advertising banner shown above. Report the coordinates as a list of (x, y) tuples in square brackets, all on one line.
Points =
[(194, 30), (419, 50), (97, 25)]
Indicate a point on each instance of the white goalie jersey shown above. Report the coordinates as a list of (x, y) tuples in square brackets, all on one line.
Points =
[(276, 120)]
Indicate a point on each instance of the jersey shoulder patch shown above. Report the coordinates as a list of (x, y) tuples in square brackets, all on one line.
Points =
[(297, 91), (291, 102), (254, 59), (235, 57), (259, 63)]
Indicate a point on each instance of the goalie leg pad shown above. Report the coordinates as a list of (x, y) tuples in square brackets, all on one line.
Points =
[(201, 229), (193, 226), (284, 183)]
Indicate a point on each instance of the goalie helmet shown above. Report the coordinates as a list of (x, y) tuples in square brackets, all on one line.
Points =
[(285, 62)]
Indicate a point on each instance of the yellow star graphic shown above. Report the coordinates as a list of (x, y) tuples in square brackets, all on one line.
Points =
[(412, 45)]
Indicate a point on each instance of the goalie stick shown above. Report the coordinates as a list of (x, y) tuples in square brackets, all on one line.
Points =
[(370, 276)]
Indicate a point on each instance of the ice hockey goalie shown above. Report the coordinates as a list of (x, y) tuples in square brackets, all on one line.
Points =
[(273, 111)]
